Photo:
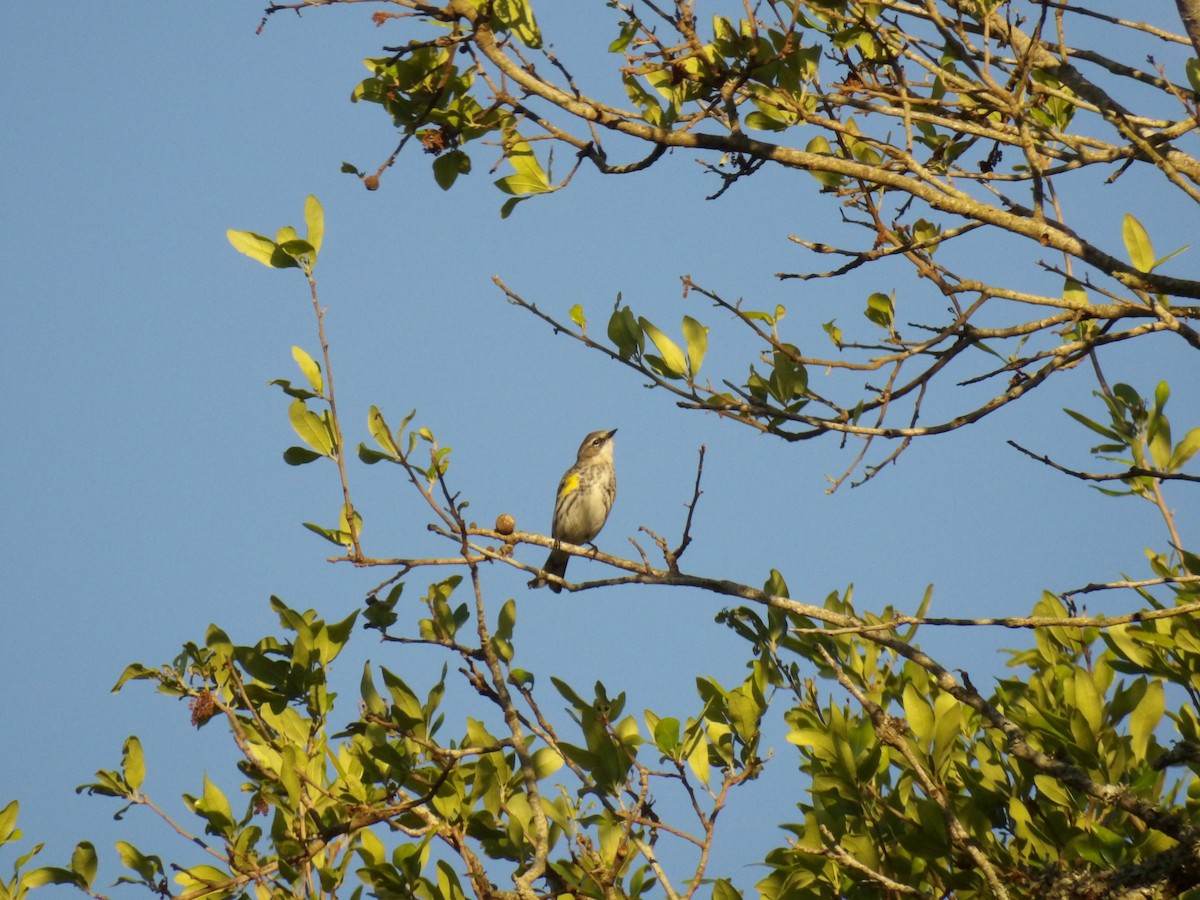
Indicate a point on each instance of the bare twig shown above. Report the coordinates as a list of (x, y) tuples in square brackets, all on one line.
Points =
[(691, 508)]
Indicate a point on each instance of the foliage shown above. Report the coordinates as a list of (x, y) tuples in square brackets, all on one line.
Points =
[(935, 128), (1056, 783)]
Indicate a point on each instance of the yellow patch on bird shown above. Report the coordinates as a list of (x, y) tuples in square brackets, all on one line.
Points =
[(570, 483)]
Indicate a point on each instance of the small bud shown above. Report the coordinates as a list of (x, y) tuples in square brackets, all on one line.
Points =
[(505, 524), (371, 182)]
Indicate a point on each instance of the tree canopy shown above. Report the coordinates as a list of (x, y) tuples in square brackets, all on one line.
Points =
[(947, 135), (925, 125)]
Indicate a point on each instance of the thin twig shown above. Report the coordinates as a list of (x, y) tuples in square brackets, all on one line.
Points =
[(1131, 472), (691, 508)]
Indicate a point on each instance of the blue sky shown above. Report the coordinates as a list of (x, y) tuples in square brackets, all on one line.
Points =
[(142, 482)]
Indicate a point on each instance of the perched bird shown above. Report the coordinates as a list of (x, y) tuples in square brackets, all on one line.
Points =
[(585, 496)]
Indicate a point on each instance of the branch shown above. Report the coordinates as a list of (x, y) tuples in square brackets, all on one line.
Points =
[(1017, 622), (1189, 15), (339, 441), (941, 195), (1067, 773), (837, 853), (1134, 585), (1131, 472), (691, 508)]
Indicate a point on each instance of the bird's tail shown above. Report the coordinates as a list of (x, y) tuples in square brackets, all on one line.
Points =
[(556, 564)]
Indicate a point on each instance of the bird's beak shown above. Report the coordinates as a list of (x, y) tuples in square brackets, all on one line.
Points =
[(611, 433)]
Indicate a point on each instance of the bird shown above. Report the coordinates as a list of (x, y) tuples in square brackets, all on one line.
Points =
[(585, 497)]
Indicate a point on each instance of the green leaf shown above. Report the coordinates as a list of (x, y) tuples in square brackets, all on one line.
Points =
[(880, 309), (46, 875), (1192, 67), (365, 454), (1184, 450), (763, 120), (340, 538), (202, 879), (378, 427), (568, 693), (296, 248), (522, 678), (624, 332), (8, 823), (1074, 293), (299, 456), (134, 672), (310, 369), (745, 711), (1088, 702), (503, 648), (1171, 255), (108, 784), (1052, 789), (84, 862), (627, 33), (282, 259), (666, 735), (1145, 718), (820, 146), (406, 709), (507, 619), (546, 762), (1162, 393), (788, 379), (723, 889), (1094, 426), (255, 246), (149, 867), (314, 218), (1137, 244), (373, 703), (286, 386), (919, 714), (349, 515), (522, 185), (674, 362), (652, 112), (214, 807), (698, 759), (1125, 645), (509, 206), (448, 166), (776, 585), (925, 231), (289, 775), (517, 17), (311, 428), (817, 739), (522, 158), (133, 765), (947, 715), (696, 336)]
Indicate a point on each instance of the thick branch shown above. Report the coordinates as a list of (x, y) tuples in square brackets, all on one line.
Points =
[(942, 197), (1189, 15)]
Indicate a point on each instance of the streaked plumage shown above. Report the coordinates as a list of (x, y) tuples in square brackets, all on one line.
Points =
[(585, 497)]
